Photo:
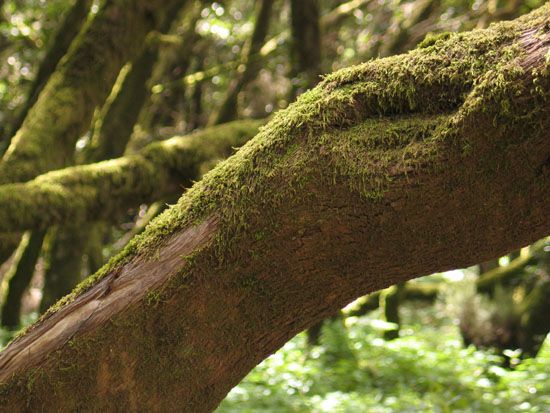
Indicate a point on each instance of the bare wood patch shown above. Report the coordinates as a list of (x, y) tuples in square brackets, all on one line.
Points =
[(111, 295)]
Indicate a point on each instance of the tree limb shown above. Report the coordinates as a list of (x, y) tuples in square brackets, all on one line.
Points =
[(105, 189), (378, 170)]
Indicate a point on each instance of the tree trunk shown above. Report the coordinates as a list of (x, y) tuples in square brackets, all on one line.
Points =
[(67, 244), (390, 301), (251, 64), (19, 278), (372, 178), (306, 45), (68, 30), (81, 82)]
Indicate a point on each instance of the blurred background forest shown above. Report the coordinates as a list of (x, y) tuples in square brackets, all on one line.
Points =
[(470, 340)]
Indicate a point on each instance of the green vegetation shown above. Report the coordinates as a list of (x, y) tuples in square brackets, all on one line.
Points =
[(427, 369)]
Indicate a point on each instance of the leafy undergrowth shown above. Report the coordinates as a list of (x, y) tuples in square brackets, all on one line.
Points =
[(427, 369)]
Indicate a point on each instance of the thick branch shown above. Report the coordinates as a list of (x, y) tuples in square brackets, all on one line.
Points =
[(105, 189), (378, 170)]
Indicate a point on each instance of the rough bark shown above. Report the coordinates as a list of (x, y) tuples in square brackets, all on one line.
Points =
[(105, 189), (378, 170)]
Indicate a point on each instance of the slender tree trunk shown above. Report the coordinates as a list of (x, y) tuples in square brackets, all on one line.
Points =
[(306, 45), (21, 271), (173, 63), (63, 258), (390, 302), (251, 64), (196, 115), (376, 171)]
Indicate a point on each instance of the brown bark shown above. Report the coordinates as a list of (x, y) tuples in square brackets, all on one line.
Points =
[(378, 170)]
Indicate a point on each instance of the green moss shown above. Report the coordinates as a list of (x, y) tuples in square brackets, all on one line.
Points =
[(182, 156), (432, 38), (339, 121)]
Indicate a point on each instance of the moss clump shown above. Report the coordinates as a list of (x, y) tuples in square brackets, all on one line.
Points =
[(432, 38)]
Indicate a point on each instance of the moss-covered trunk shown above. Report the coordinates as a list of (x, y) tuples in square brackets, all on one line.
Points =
[(370, 179), (81, 82), (67, 244), (68, 30)]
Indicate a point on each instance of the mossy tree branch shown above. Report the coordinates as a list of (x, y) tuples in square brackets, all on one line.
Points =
[(411, 291), (342, 194), (106, 189), (487, 282)]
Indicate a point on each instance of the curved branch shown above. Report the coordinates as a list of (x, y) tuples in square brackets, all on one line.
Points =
[(342, 187)]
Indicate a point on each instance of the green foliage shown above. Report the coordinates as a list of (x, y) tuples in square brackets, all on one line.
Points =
[(26, 29), (427, 369)]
